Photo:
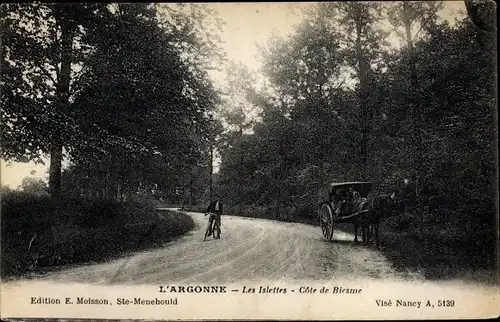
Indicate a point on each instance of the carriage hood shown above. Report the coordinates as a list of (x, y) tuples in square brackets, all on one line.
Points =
[(363, 188)]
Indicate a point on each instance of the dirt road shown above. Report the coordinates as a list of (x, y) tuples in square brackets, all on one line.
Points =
[(251, 255), (249, 250)]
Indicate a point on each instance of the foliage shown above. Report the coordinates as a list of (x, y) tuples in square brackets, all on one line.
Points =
[(38, 234), (33, 119), (124, 89), (34, 186), (139, 93), (313, 124)]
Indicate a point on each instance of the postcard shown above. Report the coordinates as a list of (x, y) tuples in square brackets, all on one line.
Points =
[(248, 161)]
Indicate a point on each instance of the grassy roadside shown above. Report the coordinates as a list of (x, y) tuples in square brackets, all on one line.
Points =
[(442, 251), (79, 231), (438, 250)]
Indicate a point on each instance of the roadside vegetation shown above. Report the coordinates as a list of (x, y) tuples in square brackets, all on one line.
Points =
[(118, 98), (344, 102), (442, 251), (38, 235), (391, 93)]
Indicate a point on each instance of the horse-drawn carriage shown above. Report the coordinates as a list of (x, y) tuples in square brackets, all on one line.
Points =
[(342, 203), (350, 202)]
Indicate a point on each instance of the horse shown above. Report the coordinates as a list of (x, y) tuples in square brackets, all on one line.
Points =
[(376, 208), (362, 221)]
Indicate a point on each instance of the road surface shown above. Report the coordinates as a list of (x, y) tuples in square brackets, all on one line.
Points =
[(249, 250), (262, 253)]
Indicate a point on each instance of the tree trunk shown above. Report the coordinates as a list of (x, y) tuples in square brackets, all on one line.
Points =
[(241, 161), (407, 22), (55, 172), (414, 109), (119, 192), (63, 100), (191, 190), (211, 168), (362, 75)]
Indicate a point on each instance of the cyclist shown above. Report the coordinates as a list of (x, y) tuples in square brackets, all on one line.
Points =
[(215, 211)]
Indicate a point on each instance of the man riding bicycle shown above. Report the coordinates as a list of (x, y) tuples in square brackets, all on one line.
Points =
[(215, 211)]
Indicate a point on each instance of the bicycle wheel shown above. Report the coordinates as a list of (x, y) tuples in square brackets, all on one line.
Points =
[(216, 231), (207, 231)]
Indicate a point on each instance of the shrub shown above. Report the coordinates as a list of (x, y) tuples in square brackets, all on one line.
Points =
[(92, 214), (78, 230)]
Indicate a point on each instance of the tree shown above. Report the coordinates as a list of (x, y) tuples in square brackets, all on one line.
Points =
[(364, 41), (455, 92), (150, 106), (300, 122), (37, 56), (409, 19), (309, 133), (128, 89), (238, 112), (411, 15), (34, 186), (482, 14)]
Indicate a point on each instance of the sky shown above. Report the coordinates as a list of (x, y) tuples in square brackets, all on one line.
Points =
[(247, 25), (252, 23)]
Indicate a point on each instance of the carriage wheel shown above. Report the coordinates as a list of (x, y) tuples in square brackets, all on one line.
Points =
[(326, 221)]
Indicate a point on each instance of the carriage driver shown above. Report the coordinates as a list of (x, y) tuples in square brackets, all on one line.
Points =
[(353, 194), (339, 201), (215, 211)]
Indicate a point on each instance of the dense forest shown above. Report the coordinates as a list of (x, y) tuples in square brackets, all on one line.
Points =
[(340, 104), (122, 91)]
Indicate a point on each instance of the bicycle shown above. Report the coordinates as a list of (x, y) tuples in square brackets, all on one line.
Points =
[(213, 226)]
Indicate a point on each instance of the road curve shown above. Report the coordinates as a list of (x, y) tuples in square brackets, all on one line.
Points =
[(249, 250)]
